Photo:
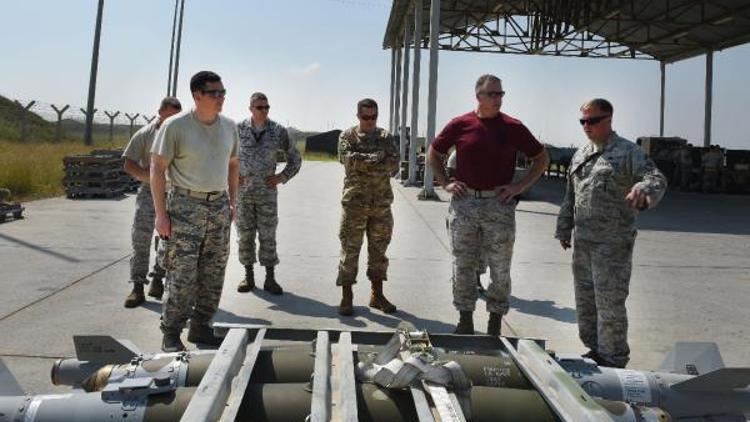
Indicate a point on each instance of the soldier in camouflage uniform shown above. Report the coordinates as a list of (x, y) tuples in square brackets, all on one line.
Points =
[(481, 216), (137, 159), (260, 141), (200, 151), (370, 157), (609, 181)]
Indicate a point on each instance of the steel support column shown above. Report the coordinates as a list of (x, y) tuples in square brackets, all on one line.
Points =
[(709, 98), (428, 191), (393, 89), (415, 93), (662, 67), (397, 94), (405, 93)]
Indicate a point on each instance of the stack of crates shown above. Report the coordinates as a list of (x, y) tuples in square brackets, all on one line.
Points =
[(97, 175)]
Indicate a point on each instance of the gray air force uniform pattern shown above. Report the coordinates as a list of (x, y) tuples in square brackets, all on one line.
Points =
[(369, 161), (602, 223), (257, 208), (139, 150)]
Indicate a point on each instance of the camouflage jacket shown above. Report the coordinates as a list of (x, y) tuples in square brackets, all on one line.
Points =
[(258, 152), (369, 161), (598, 182)]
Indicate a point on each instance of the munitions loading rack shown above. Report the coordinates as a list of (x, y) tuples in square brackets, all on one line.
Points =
[(97, 175)]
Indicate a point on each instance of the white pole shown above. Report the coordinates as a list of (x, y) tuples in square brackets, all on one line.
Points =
[(404, 93), (415, 93), (428, 191)]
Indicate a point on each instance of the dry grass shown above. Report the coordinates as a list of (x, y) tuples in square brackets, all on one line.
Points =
[(34, 170)]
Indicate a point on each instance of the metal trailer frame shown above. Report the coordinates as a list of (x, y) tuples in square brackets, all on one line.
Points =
[(220, 393)]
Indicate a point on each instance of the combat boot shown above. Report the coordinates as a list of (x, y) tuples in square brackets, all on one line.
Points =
[(465, 323), (270, 285), (202, 333), (136, 297), (247, 283), (346, 308), (493, 325), (378, 300), (156, 289), (171, 342)]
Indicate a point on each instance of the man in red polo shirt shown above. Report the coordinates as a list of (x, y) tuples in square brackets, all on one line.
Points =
[(483, 203)]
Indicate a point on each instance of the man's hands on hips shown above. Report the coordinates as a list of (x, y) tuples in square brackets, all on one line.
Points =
[(637, 198), (272, 181), (506, 193), (163, 226), (457, 188)]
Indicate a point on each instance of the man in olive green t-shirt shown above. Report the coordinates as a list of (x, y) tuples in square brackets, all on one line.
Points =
[(137, 157), (199, 150)]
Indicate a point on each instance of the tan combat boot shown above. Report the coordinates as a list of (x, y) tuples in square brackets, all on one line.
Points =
[(157, 286), (136, 297), (378, 300), (346, 308)]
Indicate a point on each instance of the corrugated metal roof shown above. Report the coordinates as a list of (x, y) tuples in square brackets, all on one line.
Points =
[(666, 30)]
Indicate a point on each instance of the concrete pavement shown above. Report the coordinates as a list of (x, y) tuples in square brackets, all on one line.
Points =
[(64, 271)]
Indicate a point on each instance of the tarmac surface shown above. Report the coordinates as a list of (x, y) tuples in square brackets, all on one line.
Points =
[(64, 271)]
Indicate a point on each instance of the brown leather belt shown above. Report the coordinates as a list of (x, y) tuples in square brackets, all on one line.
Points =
[(206, 196)]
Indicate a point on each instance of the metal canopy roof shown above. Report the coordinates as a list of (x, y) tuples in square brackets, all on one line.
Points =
[(665, 30)]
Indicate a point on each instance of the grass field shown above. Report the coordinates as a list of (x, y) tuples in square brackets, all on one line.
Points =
[(34, 170)]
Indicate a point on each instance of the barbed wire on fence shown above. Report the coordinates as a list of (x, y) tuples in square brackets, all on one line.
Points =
[(110, 121)]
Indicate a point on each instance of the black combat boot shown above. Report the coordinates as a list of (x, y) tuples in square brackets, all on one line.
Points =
[(465, 323), (202, 333), (346, 308), (270, 285), (156, 289), (136, 297), (247, 283), (493, 325), (171, 342)]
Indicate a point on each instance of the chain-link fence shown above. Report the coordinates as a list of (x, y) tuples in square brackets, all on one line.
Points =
[(33, 120)]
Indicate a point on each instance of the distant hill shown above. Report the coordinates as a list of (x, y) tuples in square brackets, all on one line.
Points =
[(10, 122), (41, 130)]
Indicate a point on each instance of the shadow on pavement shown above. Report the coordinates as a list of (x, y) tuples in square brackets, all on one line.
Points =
[(544, 308), (304, 306)]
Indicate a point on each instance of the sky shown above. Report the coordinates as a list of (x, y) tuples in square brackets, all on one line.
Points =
[(316, 58)]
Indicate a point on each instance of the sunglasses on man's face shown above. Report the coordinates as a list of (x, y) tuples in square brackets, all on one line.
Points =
[(591, 121), (215, 93), (263, 107), (369, 118), (495, 94)]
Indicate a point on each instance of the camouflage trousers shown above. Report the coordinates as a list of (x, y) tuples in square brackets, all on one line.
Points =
[(601, 273), (141, 233), (482, 233), (377, 222), (257, 213), (195, 259), (482, 259)]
